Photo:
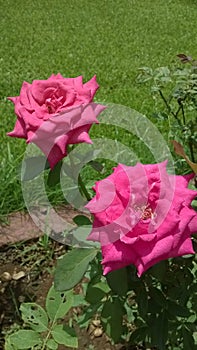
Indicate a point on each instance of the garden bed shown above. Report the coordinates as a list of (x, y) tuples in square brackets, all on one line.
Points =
[(26, 274)]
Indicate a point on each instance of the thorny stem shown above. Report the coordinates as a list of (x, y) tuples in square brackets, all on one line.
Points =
[(175, 115), (183, 114), (182, 110), (168, 106), (80, 181), (184, 122), (178, 110)]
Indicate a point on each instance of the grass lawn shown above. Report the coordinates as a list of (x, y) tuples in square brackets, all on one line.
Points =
[(109, 38)]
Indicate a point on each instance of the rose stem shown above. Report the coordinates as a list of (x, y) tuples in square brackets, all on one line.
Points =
[(83, 188)]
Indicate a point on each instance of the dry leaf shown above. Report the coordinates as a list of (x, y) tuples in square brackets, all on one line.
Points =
[(178, 149)]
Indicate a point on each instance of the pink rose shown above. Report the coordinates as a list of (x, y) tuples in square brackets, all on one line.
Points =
[(56, 112), (142, 215)]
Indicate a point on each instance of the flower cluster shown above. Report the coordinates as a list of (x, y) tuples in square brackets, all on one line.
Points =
[(142, 214)]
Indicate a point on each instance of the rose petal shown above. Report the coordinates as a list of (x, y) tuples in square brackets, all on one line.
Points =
[(19, 130), (92, 85)]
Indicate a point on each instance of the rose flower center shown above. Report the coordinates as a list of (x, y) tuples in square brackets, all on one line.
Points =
[(53, 103), (145, 212)]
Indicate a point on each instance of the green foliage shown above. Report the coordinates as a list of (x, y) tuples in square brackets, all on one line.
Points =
[(82, 220), (176, 87), (58, 304), (159, 331), (34, 316), (44, 331), (112, 318), (23, 339), (118, 281), (159, 309), (51, 344), (71, 267), (65, 335), (188, 340), (54, 175), (96, 292)]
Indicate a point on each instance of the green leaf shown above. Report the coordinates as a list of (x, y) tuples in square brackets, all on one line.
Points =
[(177, 309), (58, 303), (51, 344), (71, 267), (35, 316), (138, 335), (159, 331), (81, 220), (111, 318), (8, 345), (25, 339), (118, 281), (96, 165), (192, 319), (195, 337), (54, 175), (142, 300), (130, 312), (96, 292), (79, 237), (157, 296), (159, 270), (153, 307), (188, 340), (88, 313), (32, 167), (65, 335), (78, 299), (160, 115)]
